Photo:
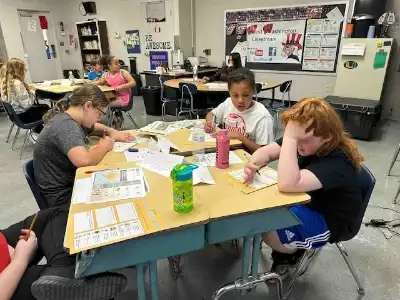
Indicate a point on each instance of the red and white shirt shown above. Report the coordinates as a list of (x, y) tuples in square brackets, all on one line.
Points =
[(256, 123), (5, 258)]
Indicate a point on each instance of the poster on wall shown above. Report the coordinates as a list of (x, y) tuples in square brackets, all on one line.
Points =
[(155, 12), (132, 41), (276, 42), (157, 58)]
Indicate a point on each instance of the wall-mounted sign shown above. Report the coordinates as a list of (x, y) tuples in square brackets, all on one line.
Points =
[(350, 65), (157, 58), (132, 41), (156, 45)]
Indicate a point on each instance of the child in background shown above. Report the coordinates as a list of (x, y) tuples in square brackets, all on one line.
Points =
[(316, 156), (234, 63), (97, 70), (121, 81), (246, 120), (20, 95), (63, 145)]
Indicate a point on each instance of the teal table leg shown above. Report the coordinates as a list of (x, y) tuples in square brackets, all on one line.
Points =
[(140, 282), (256, 255), (153, 280), (246, 257)]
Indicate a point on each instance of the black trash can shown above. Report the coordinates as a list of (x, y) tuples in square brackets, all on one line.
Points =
[(137, 89), (359, 116), (152, 101)]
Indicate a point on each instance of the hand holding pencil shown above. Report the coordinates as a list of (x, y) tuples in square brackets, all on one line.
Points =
[(26, 246)]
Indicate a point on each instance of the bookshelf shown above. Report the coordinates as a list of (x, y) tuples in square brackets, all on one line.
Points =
[(93, 41)]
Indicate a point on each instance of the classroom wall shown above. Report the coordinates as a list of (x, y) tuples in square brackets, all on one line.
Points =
[(9, 19), (120, 15), (185, 26), (210, 32)]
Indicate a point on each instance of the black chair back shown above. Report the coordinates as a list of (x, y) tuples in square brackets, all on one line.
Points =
[(30, 178), (366, 181), (130, 104), (187, 89), (258, 88), (286, 86), (12, 115)]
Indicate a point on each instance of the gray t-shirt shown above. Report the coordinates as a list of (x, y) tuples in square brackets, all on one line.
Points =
[(54, 172)]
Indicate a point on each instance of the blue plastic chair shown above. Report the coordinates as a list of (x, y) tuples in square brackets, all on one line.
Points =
[(30, 177), (366, 181)]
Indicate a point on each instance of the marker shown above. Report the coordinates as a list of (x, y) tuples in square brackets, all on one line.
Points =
[(133, 150)]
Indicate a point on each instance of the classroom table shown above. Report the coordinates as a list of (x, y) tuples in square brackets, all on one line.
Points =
[(203, 87), (57, 91), (152, 78), (214, 219)]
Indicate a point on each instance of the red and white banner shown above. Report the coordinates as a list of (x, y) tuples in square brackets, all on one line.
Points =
[(276, 42)]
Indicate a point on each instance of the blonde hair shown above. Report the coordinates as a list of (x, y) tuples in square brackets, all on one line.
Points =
[(326, 124), (14, 69), (79, 97)]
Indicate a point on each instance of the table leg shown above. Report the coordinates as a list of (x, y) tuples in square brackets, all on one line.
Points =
[(246, 257), (256, 255), (153, 280), (140, 282)]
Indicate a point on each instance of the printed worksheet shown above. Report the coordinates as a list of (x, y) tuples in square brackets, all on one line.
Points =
[(126, 212), (119, 184), (105, 217), (120, 147), (209, 159), (208, 138), (161, 163), (82, 191), (83, 221), (136, 156), (266, 179), (202, 175)]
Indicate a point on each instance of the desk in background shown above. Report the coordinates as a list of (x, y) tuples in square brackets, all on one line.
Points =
[(214, 219), (152, 78)]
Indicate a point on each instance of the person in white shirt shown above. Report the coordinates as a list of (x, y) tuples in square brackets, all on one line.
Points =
[(19, 94), (246, 120)]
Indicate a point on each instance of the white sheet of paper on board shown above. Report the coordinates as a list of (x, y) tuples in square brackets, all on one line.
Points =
[(202, 175), (126, 212), (105, 217), (335, 15), (83, 221), (82, 190)]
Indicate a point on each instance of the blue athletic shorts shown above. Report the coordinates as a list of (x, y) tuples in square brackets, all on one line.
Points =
[(312, 233)]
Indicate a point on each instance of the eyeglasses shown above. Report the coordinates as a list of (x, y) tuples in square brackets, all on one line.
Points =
[(101, 113)]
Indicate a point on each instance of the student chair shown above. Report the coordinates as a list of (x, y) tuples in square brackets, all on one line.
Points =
[(257, 90), (15, 119), (366, 181), (125, 109), (395, 155), (187, 91), (278, 107), (30, 177), (165, 100)]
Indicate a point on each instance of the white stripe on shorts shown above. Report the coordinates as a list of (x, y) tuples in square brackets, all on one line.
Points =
[(310, 241)]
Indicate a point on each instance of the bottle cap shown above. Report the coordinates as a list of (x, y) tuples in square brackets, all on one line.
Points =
[(183, 172)]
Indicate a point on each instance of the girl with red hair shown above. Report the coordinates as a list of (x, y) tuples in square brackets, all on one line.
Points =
[(316, 156)]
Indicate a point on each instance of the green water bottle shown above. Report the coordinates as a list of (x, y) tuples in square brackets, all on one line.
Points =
[(182, 187)]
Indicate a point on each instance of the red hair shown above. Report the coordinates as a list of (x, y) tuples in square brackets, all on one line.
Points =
[(326, 124)]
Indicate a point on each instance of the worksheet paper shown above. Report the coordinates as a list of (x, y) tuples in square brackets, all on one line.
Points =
[(105, 217), (83, 221), (208, 138), (202, 175), (258, 182), (82, 191), (209, 159), (120, 147), (161, 163), (136, 156), (126, 212), (165, 145), (107, 235), (119, 184)]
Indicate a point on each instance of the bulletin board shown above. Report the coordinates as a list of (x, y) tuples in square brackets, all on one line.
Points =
[(296, 38)]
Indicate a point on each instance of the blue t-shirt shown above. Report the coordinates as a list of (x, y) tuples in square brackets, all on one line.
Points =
[(94, 76)]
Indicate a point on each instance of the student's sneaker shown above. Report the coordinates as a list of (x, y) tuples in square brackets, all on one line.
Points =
[(285, 264), (101, 287), (33, 137)]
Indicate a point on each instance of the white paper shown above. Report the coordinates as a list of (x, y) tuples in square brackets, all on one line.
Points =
[(32, 25), (136, 156), (328, 53), (314, 26), (126, 212), (331, 26), (165, 145), (161, 163), (82, 191), (354, 49), (311, 53), (120, 147), (255, 183), (335, 15), (241, 48), (327, 65), (105, 217), (329, 40), (313, 40), (263, 179), (217, 86), (65, 82), (269, 173), (83, 221), (310, 65), (209, 159), (202, 175)]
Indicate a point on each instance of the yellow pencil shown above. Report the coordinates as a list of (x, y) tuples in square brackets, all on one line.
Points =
[(30, 228)]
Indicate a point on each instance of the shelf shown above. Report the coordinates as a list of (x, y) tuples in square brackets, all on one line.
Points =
[(90, 36), (91, 50)]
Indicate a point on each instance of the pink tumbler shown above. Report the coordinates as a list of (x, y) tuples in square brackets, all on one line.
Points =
[(223, 144)]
